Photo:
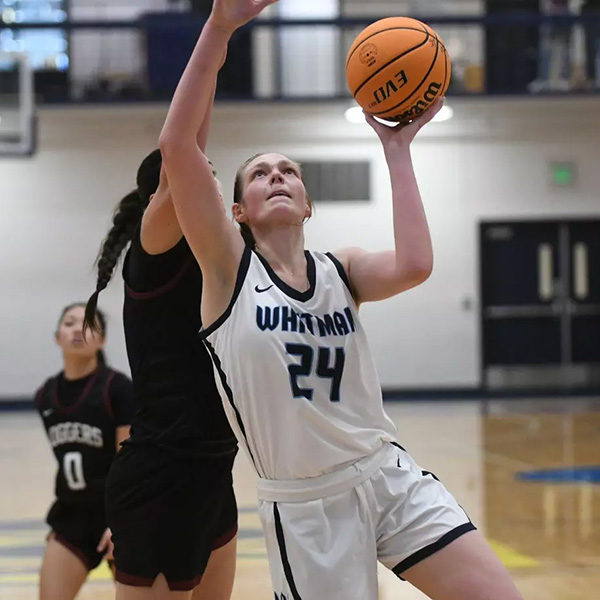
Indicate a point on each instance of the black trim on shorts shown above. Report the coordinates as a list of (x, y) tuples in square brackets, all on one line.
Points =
[(425, 473), (399, 446), (287, 569), (239, 282), (75, 550), (229, 393), (174, 586), (426, 552), (225, 538)]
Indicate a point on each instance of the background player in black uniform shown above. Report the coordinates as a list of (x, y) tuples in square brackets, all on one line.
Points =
[(86, 410), (170, 500)]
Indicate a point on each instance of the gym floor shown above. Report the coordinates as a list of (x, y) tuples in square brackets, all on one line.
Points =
[(527, 472)]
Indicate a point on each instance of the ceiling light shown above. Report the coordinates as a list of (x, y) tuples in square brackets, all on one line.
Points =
[(355, 115), (445, 114)]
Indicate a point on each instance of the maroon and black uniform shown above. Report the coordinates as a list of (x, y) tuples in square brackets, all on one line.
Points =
[(170, 498), (80, 417)]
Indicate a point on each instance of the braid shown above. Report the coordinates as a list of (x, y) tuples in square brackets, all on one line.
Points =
[(113, 247), (127, 217)]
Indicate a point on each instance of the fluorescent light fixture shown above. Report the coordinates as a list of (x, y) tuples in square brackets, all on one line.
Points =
[(445, 114), (355, 115)]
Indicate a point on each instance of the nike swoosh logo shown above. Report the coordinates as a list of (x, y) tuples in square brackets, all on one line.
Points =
[(262, 290)]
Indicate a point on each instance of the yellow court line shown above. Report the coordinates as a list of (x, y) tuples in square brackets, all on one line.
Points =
[(511, 558), (17, 541), (249, 551), (19, 578), (102, 573)]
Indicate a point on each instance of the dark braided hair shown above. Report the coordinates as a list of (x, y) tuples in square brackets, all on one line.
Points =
[(99, 320), (238, 193), (126, 218)]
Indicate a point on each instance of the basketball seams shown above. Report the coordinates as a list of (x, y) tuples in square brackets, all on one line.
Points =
[(418, 87), (423, 93), (352, 51), (446, 63), (420, 45)]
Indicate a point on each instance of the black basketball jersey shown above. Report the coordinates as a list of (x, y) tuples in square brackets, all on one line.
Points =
[(82, 435), (173, 379)]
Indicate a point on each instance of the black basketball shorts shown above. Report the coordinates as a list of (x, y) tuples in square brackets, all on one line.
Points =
[(168, 513), (79, 527)]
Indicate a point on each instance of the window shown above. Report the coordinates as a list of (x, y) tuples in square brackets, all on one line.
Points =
[(47, 48)]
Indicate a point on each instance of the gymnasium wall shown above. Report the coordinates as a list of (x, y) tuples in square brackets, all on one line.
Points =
[(490, 162)]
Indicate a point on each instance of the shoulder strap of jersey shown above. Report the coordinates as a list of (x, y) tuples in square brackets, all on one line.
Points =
[(109, 375), (42, 391), (341, 271), (239, 283)]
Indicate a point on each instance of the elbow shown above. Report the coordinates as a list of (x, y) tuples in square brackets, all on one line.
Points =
[(169, 145), (422, 274), (173, 146), (417, 273)]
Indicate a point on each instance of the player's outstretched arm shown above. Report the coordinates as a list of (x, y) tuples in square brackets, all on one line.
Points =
[(214, 239), (380, 275), (160, 228)]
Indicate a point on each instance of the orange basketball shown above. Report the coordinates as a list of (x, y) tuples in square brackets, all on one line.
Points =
[(396, 68)]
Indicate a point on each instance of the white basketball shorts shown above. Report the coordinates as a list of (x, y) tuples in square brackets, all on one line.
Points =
[(325, 535)]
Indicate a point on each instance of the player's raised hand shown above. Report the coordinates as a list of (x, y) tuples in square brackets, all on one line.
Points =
[(402, 135), (232, 14)]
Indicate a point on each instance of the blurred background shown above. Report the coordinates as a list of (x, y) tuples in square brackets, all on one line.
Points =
[(491, 368)]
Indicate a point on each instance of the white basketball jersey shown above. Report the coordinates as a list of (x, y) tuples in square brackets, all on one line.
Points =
[(295, 371)]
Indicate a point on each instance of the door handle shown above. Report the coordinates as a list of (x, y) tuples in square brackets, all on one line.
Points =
[(580, 271), (545, 272)]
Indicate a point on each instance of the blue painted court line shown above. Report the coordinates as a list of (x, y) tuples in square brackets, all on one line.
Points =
[(21, 525), (589, 474)]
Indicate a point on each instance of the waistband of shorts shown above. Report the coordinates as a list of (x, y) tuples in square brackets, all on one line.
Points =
[(188, 448), (313, 488)]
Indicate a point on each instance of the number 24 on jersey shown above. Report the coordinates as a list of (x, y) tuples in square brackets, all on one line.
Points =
[(328, 364)]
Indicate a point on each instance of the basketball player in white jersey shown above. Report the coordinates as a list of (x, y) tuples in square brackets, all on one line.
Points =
[(295, 371)]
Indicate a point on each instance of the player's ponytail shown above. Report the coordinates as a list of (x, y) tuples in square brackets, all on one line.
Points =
[(126, 219)]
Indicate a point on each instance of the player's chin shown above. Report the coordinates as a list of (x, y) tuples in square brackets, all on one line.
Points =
[(83, 351), (285, 211)]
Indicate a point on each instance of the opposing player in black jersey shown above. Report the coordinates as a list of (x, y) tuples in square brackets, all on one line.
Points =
[(86, 410), (170, 500)]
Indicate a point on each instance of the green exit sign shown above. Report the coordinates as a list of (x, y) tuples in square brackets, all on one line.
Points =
[(562, 174)]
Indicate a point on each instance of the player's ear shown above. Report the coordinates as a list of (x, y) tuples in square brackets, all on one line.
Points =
[(237, 210)]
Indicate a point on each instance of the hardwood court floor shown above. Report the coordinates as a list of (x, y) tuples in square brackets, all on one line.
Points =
[(548, 534)]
